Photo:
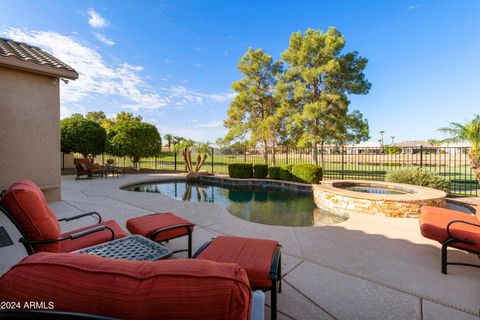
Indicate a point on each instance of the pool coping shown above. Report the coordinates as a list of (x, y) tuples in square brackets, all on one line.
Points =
[(420, 193), (297, 186)]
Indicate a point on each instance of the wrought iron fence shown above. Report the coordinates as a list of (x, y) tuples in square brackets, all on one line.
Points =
[(338, 162)]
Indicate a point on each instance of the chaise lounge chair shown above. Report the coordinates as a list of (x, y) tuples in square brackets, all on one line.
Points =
[(85, 168), (26, 207), (92, 287), (452, 229)]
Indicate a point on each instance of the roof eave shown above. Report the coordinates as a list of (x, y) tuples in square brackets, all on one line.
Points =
[(40, 69)]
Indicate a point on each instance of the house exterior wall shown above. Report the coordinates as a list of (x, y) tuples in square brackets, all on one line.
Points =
[(30, 130)]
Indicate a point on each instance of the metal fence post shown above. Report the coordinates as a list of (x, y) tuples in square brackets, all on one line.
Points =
[(343, 162), (286, 155), (175, 161), (155, 162), (245, 155), (212, 160), (421, 156)]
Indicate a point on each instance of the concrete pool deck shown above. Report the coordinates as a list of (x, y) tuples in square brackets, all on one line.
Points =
[(368, 267)]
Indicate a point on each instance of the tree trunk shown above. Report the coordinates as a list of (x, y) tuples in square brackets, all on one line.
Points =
[(474, 156), (265, 152), (314, 153), (273, 154)]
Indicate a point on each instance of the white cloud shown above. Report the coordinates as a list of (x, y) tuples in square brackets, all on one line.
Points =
[(103, 39), (197, 65), (211, 124), (95, 20), (120, 84), (414, 6), (96, 77)]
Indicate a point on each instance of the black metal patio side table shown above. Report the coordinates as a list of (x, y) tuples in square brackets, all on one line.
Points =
[(133, 247)]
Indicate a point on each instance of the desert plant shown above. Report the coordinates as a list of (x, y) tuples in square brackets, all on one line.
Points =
[(260, 171), (468, 131), (307, 173), (185, 148), (419, 177), (240, 170)]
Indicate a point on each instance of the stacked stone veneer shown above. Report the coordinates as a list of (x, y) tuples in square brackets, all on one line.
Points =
[(347, 202)]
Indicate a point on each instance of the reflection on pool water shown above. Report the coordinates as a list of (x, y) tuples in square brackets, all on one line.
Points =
[(376, 190), (266, 205)]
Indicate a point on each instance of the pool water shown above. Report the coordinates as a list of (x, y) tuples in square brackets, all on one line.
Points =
[(374, 190), (265, 205)]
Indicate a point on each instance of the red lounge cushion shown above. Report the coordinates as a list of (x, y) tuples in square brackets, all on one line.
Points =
[(254, 255), (147, 224), (93, 238), (168, 289), (434, 221), (27, 204)]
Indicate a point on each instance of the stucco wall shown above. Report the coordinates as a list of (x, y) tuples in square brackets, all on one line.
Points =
[(29, 130)]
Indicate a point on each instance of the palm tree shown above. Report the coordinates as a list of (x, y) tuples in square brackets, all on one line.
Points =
[(169, 139), (468, 131)]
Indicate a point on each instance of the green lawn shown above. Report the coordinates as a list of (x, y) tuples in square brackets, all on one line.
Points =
[(461, 177)]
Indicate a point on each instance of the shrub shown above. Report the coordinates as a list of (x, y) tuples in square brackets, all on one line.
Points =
[(274, 172), (392, 150), (260, 171), (286, 172), (240, 170), (307, 173), (419, 177)]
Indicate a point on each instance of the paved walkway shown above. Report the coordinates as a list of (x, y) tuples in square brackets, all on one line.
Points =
[(364, 268)]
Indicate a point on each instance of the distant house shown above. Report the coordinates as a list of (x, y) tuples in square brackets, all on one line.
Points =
[(366, 147), (456, 147), (412, 147), (29, 115)]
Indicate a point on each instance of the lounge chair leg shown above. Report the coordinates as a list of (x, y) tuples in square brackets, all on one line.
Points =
[(273, 300), (189, 243), (280, 274), (444, 258)]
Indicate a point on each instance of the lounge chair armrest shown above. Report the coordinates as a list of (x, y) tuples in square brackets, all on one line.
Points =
[(72, 236), (90, 231), (83, 215), (464, 222)]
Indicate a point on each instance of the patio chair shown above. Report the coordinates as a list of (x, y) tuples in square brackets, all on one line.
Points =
[(26, 207), (124, 289), (452, 229), (85, 168)]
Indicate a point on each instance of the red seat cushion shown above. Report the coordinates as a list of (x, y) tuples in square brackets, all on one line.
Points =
[(27, 204), (165, 289), (145, 225), (434, 221), (254, 255), (93, 238)]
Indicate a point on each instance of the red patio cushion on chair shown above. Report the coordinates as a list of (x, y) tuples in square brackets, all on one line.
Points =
[(171, 289), (147, 224), (254, 255), (27, 203), (434, 221), (93, 238)]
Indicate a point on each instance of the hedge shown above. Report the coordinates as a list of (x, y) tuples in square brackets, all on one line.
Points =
[(307, 173), (240, 170), (418, 176), (260, 171), (286, 172)]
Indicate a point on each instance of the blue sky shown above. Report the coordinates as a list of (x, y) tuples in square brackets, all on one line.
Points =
[(174, 62)]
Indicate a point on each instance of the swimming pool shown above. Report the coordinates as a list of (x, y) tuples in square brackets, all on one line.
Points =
[(255, 203)]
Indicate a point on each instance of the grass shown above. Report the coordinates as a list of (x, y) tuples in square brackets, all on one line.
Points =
[(461, 178)]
